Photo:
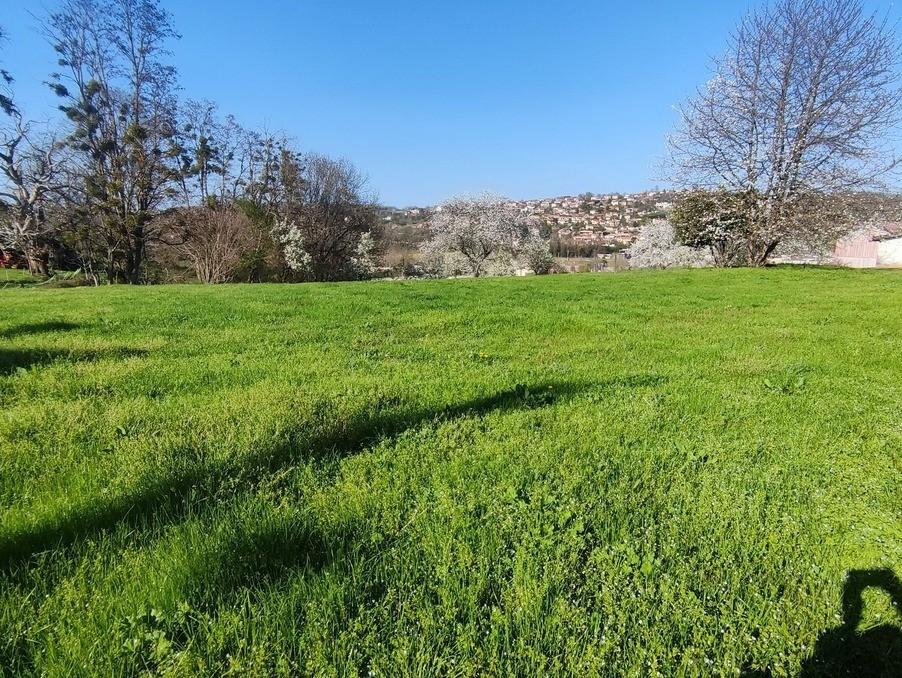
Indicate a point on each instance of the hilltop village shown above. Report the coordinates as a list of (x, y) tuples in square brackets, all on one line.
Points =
[(584, 224), (612, 220)]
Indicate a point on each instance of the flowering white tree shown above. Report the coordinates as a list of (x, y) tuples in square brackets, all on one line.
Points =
[(477, 230), (537, 255), (292, 240), (657, 247), (364, 260), (716, 220), (804, 105)]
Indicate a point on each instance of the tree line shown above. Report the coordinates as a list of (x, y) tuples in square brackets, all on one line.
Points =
[(134, 177), (798, 120)]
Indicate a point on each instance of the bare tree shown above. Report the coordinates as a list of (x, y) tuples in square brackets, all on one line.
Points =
[(6, 80), (478, 228), (326, 202), (801, 106), (201, 155), (268, 171), (222, 161), (30, 167), (215, 240), (29, 172)]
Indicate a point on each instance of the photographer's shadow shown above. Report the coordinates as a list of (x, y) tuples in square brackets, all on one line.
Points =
[(845, 651)]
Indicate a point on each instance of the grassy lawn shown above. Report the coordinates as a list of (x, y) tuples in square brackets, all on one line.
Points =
[(678, 472), (16, 276)]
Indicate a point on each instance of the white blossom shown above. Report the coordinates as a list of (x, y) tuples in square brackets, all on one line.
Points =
[(474, 235), (537, 254), (364, 260), (289, 236), (656, 247)]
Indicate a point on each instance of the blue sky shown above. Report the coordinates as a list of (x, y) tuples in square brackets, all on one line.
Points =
[(432, 98)]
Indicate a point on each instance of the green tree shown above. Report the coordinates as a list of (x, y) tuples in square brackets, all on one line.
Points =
[(716, 220), (118, 95)]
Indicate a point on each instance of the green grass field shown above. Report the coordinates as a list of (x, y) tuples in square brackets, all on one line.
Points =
[(671, 473)]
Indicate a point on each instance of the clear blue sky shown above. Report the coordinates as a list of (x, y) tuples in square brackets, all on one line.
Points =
[(430, 98)]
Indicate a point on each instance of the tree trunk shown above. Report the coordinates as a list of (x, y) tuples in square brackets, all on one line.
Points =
[(759, 253), (136, 254), (36, 258)]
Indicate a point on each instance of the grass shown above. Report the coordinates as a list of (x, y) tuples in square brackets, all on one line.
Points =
[(678, 473), (15, 276)]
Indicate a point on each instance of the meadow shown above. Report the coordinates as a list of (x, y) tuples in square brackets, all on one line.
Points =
[(678, 473)]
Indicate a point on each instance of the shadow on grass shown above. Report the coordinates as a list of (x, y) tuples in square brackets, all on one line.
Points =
[(846, 651), (45, 327), (259, 554), (165, 498), (12, 360)]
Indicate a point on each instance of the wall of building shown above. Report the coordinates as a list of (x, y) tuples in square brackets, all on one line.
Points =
[(858, 252), (889, 252)]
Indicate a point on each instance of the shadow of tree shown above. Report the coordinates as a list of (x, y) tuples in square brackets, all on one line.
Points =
[(166, 496), (265, 552), (12, 360), (845, 651), (254, 551), (259, 553), (45, 327)]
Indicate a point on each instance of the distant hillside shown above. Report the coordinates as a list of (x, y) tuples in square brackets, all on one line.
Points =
[(590, 224), (582, 225)]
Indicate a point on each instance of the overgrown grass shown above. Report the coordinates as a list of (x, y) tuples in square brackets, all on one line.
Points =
[(606, 475)]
